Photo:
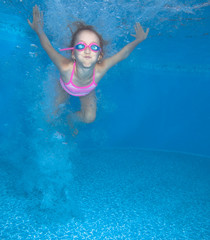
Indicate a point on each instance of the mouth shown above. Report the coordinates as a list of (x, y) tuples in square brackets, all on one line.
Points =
[(88, 57)]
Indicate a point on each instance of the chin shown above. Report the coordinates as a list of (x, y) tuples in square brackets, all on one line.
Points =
[(87, 64)]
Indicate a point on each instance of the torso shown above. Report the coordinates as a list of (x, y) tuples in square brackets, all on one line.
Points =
[(66, 75)]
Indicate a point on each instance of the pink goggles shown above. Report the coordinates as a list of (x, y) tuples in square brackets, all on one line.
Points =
[(81, 46)]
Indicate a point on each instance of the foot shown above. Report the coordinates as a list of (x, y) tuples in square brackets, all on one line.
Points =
[(71, 122), (75, 132), (60, 136)]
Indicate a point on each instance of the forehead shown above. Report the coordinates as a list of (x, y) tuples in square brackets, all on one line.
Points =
[(87, 36)]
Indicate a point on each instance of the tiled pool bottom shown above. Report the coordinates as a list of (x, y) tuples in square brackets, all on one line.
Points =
[(121, 194)]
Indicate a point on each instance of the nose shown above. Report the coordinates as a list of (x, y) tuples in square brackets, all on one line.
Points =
[(87, 50)]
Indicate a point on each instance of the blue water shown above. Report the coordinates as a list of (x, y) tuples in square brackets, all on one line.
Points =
[(141, 170)]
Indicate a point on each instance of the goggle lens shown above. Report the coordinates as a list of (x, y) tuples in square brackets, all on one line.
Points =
[(82, 46), (79, 46), (95, 48)]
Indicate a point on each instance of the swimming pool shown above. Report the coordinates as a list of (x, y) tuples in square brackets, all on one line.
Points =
[(141, 171), (118, 194)]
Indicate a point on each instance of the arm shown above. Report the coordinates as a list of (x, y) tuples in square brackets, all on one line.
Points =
[(126, 51), (37, 26)]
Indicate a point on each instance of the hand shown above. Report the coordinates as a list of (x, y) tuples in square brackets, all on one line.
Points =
[(38, 23), (140, 34)]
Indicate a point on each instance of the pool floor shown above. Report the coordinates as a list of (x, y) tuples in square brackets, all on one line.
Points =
[(118, 194)]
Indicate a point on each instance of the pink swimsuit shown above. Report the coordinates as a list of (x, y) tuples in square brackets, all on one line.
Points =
[(75, 90)]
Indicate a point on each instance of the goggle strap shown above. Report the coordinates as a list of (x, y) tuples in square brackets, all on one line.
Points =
[(65, 49)]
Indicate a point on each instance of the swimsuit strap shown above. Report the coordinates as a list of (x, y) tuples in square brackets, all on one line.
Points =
[(72, 74)]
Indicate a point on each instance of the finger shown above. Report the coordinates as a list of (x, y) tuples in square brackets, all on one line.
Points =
[(42, 14), (38, 12), (133, 35), (147, 32), (29, 22), (140, 27), (138, 24), (34, 12), (42, 21)]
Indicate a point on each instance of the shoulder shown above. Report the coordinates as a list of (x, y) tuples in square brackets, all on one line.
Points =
[(103, 66), (66, 70), (100, 70), (100, 67), (109, 62), (66, 66)]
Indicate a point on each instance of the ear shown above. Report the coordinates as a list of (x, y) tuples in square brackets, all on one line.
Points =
[(73, 56), (100, 57)]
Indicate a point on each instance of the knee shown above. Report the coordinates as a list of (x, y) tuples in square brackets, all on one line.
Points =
[(90, 117)]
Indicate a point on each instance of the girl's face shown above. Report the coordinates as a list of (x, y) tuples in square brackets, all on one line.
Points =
[(87, 58)]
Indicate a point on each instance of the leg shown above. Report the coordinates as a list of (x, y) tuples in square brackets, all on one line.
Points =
[(87, 113), (61, 97)]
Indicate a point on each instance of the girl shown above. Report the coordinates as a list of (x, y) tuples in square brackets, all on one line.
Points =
[(81, 74)]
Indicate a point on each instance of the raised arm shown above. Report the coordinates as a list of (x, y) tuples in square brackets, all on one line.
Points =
[(125, 52), (37, 25)]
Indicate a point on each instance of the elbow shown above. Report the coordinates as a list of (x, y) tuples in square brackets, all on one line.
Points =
[(125, 56), (126, 53)]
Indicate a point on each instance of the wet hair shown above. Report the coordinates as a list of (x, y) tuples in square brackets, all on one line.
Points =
[(81, 26)]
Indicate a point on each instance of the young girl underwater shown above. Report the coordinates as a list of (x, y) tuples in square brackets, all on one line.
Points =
[(80, 75)]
